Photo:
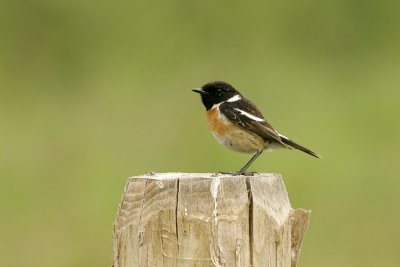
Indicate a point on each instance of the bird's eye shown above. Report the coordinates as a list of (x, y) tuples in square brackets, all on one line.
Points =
[(219, 91)]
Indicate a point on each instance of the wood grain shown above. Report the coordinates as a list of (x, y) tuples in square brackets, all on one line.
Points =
[(182, 219)]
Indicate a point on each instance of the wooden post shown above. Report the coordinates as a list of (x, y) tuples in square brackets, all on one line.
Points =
[(197, 219)]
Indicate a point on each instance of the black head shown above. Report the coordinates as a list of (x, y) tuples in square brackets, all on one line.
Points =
[(216, 92)]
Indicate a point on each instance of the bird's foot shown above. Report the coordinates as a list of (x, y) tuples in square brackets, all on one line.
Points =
[(238, 173)]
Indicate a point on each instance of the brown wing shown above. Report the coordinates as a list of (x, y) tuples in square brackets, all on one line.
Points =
[(234, 111)]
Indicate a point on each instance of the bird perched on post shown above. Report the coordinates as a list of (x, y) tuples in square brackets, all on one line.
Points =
[(239, 125)]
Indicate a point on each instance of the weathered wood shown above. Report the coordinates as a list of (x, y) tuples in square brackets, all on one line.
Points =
[(181, 219)]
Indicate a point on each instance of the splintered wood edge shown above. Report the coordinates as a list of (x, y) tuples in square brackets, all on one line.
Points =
[(300, 219)]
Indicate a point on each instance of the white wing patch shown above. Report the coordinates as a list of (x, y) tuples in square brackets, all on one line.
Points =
[(234, 98), (281, 135), (248, 115)]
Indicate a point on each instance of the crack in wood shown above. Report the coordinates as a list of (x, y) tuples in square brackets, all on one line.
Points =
[(176, 216), (250, 196)]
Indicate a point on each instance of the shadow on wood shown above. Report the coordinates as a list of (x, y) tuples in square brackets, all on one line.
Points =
[(197, 219)]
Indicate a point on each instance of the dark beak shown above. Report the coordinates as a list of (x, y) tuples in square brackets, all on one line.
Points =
[(199, 91)]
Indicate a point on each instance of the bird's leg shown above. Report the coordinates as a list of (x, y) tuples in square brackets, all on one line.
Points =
[(243, 170)]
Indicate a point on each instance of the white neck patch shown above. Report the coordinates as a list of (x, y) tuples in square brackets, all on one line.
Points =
[(248, 115), (234, 98)]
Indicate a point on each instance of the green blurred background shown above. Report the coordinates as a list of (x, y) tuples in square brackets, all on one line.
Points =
[(95, 91)]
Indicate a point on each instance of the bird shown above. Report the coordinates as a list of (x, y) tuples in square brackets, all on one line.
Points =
[(238, 124)]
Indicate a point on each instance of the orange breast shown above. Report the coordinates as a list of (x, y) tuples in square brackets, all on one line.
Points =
[(232, 136), (217, 124)]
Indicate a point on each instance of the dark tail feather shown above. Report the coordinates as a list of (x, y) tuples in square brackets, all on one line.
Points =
[(290, 143)]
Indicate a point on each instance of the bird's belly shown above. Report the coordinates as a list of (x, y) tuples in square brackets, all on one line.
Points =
[(240, 141), (232, 136)]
